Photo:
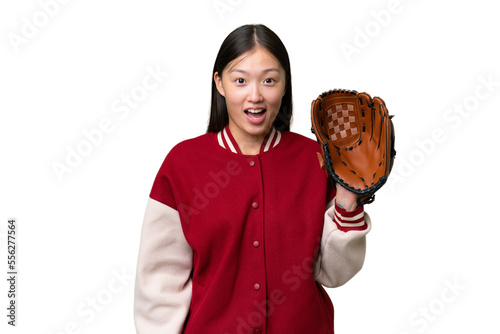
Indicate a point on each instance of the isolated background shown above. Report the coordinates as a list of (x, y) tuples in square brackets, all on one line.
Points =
[(434, 224)]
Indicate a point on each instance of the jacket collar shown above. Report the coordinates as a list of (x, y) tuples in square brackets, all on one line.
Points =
[(226, 140)]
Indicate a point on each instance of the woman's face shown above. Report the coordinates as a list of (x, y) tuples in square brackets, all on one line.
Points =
[(253, 86)]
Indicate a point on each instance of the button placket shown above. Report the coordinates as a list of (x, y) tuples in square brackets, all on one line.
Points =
[(256, 203)]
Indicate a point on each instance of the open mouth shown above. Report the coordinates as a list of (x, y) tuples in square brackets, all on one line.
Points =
[(255, 113)]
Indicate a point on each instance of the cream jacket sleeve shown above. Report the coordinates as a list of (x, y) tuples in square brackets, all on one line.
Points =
[(163, 277), (343, 245)]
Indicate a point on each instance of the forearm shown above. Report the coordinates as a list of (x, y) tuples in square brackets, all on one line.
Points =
[(163, 284), (343, 245)]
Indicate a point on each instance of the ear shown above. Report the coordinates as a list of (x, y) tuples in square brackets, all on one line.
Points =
[(218, 83)]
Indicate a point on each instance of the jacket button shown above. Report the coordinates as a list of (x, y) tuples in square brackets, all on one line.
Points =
[(252, 163), (256, 286), (256, 244), (255, 205), (258, 331)]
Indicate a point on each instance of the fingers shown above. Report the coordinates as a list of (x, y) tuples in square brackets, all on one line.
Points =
[(366, 113), (379, 120), (317, 120)]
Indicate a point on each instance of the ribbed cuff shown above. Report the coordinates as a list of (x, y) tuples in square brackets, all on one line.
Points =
[(349, 220)]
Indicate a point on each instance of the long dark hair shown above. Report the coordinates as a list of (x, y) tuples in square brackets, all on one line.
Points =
[(241, 40)]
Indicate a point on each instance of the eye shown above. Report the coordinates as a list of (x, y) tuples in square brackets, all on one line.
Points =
[(240, 81), (269, 81)]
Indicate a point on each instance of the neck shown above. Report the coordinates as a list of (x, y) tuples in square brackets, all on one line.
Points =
[(248, 144)]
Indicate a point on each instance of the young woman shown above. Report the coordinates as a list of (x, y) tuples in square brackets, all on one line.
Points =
[(242, 228)]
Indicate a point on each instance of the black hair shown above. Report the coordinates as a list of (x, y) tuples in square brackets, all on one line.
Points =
[(241, 40)]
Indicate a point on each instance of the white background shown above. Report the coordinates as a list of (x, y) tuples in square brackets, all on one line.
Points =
[(434, 223)]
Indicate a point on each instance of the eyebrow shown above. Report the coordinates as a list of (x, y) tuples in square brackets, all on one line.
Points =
[(245, 72)]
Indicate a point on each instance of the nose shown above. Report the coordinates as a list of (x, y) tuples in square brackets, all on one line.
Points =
[(254, 94)]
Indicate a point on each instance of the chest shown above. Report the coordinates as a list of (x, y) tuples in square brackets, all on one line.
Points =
[(228, 198)]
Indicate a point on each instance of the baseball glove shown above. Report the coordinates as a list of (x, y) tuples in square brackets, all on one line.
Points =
[(356, 135)]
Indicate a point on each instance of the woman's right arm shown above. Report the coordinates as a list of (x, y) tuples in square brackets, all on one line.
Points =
[(163, 277)]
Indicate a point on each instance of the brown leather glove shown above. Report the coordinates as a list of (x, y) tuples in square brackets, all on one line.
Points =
[(356, 135)]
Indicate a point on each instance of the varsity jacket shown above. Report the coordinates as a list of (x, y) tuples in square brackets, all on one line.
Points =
[(235, 243)]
